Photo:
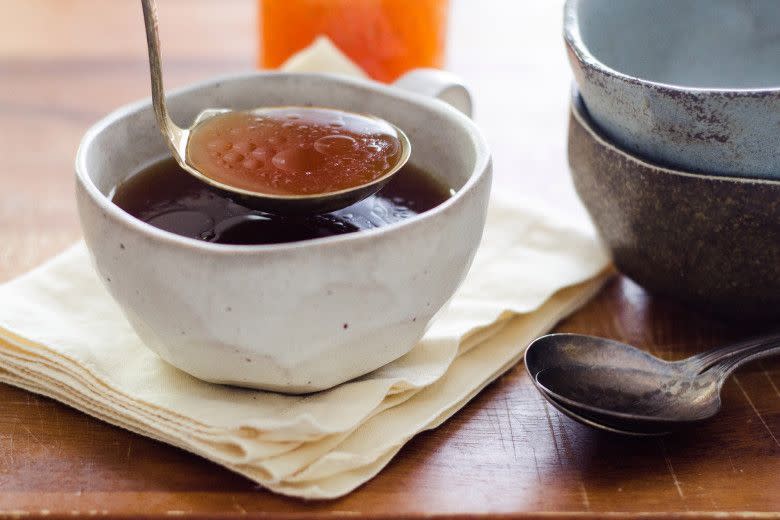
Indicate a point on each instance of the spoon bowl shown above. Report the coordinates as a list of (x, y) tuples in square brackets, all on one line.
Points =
[(609, 424), (178, 139), (615, 386), (660, 396)]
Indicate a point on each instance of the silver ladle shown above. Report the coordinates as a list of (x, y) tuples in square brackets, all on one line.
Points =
[(616, 387), (177, 139)]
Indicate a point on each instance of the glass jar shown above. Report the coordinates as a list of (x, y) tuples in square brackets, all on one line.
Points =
[(384, 37)]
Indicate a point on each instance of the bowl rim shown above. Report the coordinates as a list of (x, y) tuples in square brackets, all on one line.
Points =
[(573, 38), (482, 166), (580, 113)]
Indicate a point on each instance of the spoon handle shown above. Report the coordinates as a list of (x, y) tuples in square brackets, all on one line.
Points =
[(725, 367), (701, 362), (168, 128)]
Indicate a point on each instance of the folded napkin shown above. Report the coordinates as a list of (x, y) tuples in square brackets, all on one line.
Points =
[(61, 335)]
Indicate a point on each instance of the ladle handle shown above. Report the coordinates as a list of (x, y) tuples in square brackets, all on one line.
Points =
[(169, 129), (701, 362), (722, 369)]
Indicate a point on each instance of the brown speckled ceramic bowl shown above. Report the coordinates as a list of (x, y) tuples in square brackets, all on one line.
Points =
[(711, 241)]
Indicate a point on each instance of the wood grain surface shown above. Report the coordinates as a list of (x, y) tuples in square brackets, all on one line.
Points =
[(65, 63)]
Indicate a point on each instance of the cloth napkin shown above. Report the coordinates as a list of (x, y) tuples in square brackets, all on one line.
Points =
[(61, 335)]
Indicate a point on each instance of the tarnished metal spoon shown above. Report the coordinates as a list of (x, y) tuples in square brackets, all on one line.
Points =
[(177, 139), (614, 386)]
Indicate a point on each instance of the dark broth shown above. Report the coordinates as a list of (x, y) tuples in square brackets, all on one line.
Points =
[(171, 199)]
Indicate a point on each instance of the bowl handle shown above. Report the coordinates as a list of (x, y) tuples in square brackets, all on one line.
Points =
[(440, 84)]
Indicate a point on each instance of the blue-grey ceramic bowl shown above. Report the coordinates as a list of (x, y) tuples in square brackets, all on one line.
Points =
[(691, 84)]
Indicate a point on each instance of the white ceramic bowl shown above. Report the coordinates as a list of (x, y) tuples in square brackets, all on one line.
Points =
[(294, 317)]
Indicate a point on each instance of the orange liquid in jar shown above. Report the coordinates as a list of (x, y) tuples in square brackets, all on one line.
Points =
[(385, 37), (294, 150)]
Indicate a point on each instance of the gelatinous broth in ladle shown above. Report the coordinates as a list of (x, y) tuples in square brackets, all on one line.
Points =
[(294, 150)]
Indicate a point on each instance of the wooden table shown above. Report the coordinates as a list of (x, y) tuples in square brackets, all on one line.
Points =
[(64, 63)]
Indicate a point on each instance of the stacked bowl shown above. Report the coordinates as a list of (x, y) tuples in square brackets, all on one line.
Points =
[(674, 144)]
